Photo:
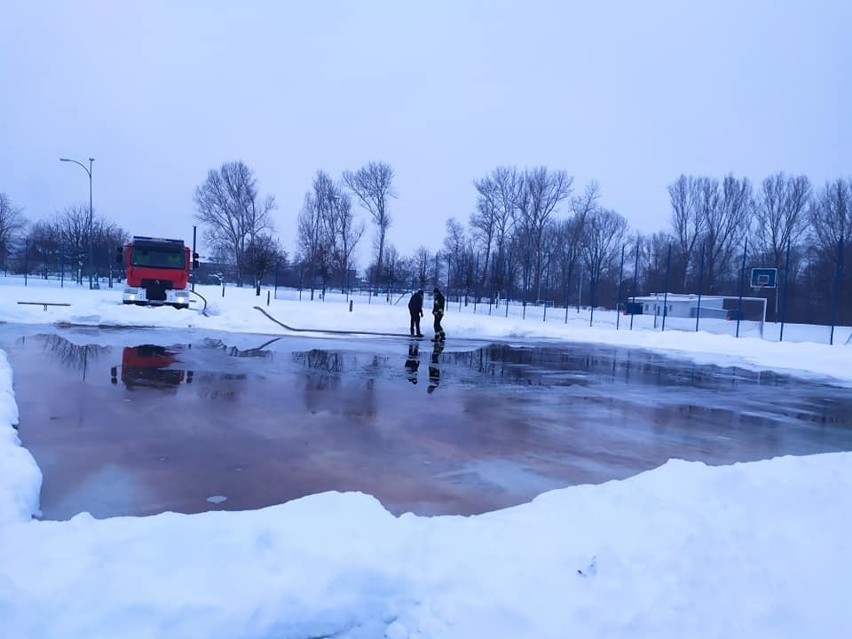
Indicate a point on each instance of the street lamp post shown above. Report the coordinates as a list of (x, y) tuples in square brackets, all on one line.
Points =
[(91, 220)]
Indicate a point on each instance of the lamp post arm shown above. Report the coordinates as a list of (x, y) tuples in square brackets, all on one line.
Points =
[(85, 168)]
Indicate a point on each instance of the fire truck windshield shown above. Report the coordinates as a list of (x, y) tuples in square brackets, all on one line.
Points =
[(157, 257)]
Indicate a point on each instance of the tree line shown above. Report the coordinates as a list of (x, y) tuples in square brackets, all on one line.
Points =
[(531, 237), (64, 243)]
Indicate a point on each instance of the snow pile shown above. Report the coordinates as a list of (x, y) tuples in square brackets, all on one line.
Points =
[(20, 478), (756, 549)]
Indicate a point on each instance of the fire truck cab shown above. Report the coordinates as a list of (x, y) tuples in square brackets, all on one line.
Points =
[(157, 271)]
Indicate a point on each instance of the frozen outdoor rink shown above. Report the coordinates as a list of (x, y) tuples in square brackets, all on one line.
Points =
[(140, 422)]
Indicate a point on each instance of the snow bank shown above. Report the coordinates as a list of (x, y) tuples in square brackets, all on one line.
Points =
[(757, 549), (20, 477)]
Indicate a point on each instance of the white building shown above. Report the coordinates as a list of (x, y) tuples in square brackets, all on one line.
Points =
[(680, 305)]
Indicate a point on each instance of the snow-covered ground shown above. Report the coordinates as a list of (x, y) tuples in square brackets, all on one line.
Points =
[(686, 550)]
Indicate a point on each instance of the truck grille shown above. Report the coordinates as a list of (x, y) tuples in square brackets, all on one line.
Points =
[(155, 290)]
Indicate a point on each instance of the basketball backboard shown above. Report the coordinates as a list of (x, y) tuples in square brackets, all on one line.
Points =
[(764, 278)]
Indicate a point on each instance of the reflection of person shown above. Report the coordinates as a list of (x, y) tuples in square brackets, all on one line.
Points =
[(412, 363), (415, 309), (438, 313), (434, 371)]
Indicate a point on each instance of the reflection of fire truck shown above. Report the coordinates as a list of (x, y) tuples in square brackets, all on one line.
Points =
[(157, 271), (149, 366)]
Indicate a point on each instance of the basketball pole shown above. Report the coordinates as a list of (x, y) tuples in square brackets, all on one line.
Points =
[(776, 303)]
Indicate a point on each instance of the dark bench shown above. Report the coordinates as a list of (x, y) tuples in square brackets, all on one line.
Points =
[(46, 304)]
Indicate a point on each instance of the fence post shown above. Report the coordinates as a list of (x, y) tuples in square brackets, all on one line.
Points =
[(838, 272), (192, 258), (592, 285), (546, 283), (580, 291), (635, 281), (700, 285), (666, 292), (618, 295), (784, 304), (275, 285), (742, 279)]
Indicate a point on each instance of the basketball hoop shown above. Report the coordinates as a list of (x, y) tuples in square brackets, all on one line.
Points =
[(763, 278)]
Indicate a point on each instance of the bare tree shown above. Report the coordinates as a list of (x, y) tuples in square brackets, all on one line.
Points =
[(551, 248), (685, 195), (725, 212), (232, 212), (571, 233), (726, 225), (605, 232), (422, 263), (325, 198), (396, 272), (501, 190), (344, 231), (262, 254), (582, 205), (372, 184), (73, 228), (107, 236), (653, 252), (780, 215), (831, 227), (542, 193), (454, 247), (309, 238), (45, 246), (567, 252), (831, 216), (12, 224), (483, 228)]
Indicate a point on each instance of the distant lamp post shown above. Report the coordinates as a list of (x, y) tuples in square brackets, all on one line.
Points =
[(91, 220)]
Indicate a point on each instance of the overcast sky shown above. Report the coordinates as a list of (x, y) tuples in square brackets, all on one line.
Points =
[(630, 94)]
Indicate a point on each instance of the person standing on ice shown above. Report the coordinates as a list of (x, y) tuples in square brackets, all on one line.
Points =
[(415, 309), (438, 313)]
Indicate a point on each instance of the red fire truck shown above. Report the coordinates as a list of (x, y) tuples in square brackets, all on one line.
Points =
[(150, 366), (157, 271)]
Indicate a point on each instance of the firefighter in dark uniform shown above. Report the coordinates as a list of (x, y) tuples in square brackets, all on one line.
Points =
[(438, 313), (415, 309)]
